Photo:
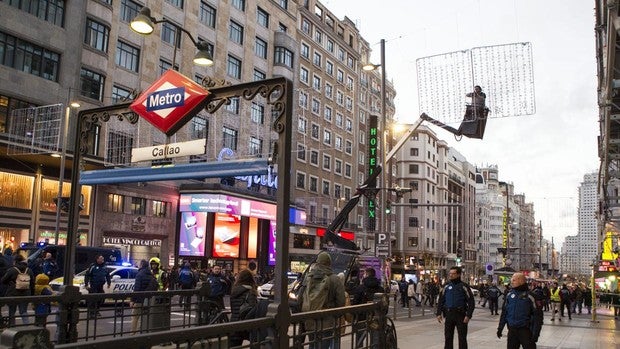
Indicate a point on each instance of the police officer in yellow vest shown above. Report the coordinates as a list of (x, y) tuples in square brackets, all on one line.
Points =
[(555, 300), (160, 274)]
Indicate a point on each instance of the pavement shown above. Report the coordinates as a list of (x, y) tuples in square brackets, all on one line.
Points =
[(423, 331)]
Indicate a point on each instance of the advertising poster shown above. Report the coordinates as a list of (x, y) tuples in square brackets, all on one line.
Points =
[(226, 235), (192, 234), (253, 238), (271, 259)]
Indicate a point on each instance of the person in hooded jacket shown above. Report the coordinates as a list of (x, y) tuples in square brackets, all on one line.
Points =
[(362, 294), (42, 309), (9, 279), (243, 291), (145, 281)]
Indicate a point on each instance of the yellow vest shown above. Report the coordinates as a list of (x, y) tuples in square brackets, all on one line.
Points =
[(555, 296)]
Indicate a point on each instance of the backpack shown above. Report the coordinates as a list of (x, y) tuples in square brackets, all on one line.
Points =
[(315, 294), (564, 295), (186, 277), (22, 281), (246, 310), (153, 284)]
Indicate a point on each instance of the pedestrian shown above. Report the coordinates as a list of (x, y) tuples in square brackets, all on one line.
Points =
[(50, 268), (402, 288), (547, 295), (554, 300), (96, 277), (456, 303), (615, 303), (587, 299), (482, 290), (565, 300), (578, 296), (244, 294), (160, 274), (519, 313), (360, 295), (493, 293), (219, 285), (411, 295), (145, 281), (323, 290), (187, 281), (173, 278), (20, 282), (42, 309)]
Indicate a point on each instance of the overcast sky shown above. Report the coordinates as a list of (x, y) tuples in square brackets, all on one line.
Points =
[(546, 154)]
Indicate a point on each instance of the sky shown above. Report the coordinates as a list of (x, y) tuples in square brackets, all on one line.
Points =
[(545, 155)]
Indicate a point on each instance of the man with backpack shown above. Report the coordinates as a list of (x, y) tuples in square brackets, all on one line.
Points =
[(362, 294), (456, 303), (323, 290), (20, 282), (519, 313), (187, 281)]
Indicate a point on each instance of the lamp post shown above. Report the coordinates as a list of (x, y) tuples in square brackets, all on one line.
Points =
[(144, 24)]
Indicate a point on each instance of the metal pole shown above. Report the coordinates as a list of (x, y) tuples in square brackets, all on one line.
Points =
[(386, 170), (507, 222), (540, 247), (61, 175)]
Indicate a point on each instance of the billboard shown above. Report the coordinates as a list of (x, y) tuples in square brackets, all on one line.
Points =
[(192, 234), (226, 235)]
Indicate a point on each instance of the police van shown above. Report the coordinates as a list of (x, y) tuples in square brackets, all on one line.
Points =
[(123, 280)]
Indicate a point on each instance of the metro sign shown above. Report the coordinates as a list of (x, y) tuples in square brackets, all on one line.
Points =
[(170, 102)]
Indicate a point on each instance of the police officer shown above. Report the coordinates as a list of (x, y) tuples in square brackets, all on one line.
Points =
[(519, 313), (456, 304), (96, 276), (159, 273)]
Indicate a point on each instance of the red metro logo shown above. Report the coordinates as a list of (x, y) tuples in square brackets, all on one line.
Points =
[(170, 102)]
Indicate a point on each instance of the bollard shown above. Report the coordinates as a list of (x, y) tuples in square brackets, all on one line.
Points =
[(410, 301), (395, 306), (29, 337)]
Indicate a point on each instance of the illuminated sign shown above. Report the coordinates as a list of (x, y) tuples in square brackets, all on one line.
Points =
[(373, 141), (270, 180), (166, 151), (226, 204), (170, 102)]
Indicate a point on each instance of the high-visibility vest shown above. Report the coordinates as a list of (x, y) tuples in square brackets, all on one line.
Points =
[(555, 295)]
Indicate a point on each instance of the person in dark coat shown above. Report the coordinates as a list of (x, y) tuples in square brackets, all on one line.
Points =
[(10, 279), (94, 280), (243, 291), (362, 294), (519, 313), (145, 281)]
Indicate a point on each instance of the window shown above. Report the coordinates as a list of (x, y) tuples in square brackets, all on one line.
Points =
[(97, 35), (316, 82), (233, 67), (262, 17), (339, 118), (413, 152), (301, 180), (318, 11), (199, 127), (350, 83), (282, 28), (362, 137), (361, 158), (24, 56), (303, 75), (207, 14), (317, 59), (257, 114), (314, 157), (340, 76), (330, 46), (235, 32), (326, 186), (120, 94), (302, 125), (129, 10), (233, 107), (350, 62), (229, 139), (316, 106), (260, 48), (348, 125), (255, 146), (115, 203), (341, 54), (119, 145), (318, 36), (303, 99), (305, 51), (329, 68), (48, 10), (314, 184), (338, 166), (314, 132), (138, 206), (164, 65), (328, 113), (338, 143), (169, 34), (339, 98), (348, 147), (238, 4), (283, 56), (91, 84), (414, 169), (305, 26), (327, 137), (176, 3), (327, 162), (413, 222), (301, 152), (329, 91), (259, 75), (127, 56), (348, 103), (347, 170), (160, 208)]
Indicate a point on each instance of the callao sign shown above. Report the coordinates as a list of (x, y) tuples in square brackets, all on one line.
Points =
[(170, 102)]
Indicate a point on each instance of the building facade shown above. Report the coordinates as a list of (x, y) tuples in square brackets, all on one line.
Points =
[(587, 222)]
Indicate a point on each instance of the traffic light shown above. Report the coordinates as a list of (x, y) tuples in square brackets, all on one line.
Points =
[(388, 207), (458, 260)]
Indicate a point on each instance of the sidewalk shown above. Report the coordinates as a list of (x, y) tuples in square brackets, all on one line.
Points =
[(578, 333)]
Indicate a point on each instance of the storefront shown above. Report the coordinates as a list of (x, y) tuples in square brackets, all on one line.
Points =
[(134, 246)]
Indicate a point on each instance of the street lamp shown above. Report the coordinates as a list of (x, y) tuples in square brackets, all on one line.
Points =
[(144, 24)]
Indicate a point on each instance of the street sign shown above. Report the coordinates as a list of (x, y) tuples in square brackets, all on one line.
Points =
[(167, 151), (382, 249), (170, 102)]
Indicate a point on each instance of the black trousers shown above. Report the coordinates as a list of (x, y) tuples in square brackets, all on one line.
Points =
[(521, 336), (454, 318)]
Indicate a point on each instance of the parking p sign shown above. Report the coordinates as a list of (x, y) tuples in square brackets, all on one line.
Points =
[(170, 102)]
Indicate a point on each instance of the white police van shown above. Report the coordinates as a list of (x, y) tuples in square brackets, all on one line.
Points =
[(123, 279)]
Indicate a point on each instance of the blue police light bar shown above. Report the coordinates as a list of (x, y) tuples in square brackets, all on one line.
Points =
[(215, 169)]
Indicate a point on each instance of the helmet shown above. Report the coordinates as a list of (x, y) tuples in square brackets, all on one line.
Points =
[(155, 260)]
